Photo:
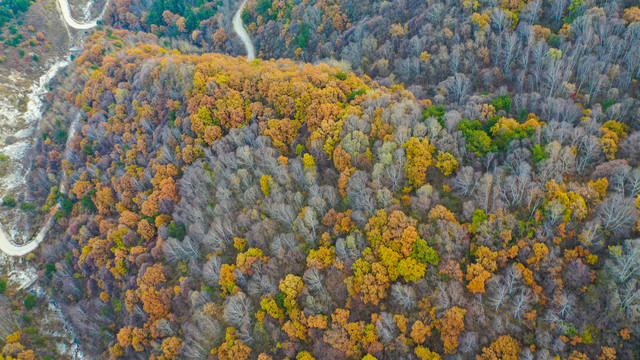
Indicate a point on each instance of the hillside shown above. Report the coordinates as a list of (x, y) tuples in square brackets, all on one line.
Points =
[(272, 209), (368, 179)]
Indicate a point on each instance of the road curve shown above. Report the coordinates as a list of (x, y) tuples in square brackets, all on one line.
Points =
[(239, 29), (66, 15), (12, 249)]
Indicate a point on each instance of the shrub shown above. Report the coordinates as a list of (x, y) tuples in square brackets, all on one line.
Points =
[(26, 206), (30, 302), (539, 153), (502, 102), (8, 201), (49, 269), (177, 231)]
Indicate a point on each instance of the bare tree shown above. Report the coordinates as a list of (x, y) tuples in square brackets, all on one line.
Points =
[(513, 189), (626, 264), (522, 302), (510, 50), (403, 296), (617, 213), (386, 328), (589, 151), (237, 310), (176, 250), (484, 193), (211, 271), (531, 11), (457, 86), (498, 293), (314, 281), (260, 283), (283, 213), (465, 181), (557, 9), (360, 195)]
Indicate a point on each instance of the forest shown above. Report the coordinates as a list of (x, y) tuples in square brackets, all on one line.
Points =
[(388, 180)]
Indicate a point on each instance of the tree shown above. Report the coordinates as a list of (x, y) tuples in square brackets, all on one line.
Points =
[(171, 347), (451, 325), (631, 14), (447, 163), (457, 86), (129, 218), (425, 354), (291, 286), (308, 161), (266, 182), (480, 20), (503, 348), (617, 213), (419, 156), (404, 296), (146, 230), (349, 337), (219, 38), (321, 258), (30, 302), (424, 253), (612, 133), (419, 332), (374, 284), (341, 159), (411, 269), (155, 303), (576, 355), (479, 272), (233, 348), (479, 142)]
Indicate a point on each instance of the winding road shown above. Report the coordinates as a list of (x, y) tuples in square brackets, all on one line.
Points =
[(239, 29), (34, 105), (6, 245)]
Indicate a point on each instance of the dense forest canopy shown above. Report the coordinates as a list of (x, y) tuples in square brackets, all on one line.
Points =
[(406, 179), (231, 209)]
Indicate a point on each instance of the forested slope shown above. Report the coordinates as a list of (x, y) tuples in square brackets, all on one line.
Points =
[(553, 48), (230, 210)]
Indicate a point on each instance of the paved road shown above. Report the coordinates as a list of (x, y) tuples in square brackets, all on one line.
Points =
[(12, 249), (239, 29), (66, 15)]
